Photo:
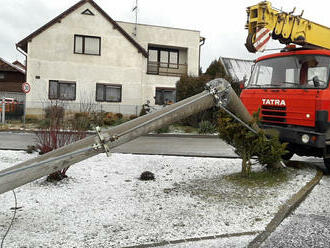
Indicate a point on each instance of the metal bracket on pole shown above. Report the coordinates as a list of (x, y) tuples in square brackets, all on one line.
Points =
[(101, 144), (220, 89)]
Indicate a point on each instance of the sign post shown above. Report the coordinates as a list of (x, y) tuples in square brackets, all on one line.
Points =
[(26, 89), (3, 111)]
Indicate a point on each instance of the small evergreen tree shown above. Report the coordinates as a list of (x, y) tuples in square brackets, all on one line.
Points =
[(267, 150), (216, 70), (188, 86)]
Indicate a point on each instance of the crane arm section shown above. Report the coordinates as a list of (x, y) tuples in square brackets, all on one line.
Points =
[(265, 22)]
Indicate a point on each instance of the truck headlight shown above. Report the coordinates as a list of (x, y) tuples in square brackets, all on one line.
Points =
[(305, 138)]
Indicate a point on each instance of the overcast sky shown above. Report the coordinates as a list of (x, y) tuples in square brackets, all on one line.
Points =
[(220, 22)]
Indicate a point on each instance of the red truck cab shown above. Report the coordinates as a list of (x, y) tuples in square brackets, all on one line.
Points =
[(291, 89)]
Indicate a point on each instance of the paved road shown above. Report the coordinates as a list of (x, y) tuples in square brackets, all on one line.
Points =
[(309, 225), (183, 145), (16, 140)]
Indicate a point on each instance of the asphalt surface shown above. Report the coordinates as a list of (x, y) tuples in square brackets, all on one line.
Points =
[(183, 145), (16, 140), (309, 225)]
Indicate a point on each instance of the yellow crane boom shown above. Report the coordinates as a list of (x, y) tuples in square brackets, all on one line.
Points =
[(265, 22)]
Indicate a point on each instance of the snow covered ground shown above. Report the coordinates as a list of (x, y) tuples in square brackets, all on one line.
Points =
[(104, 204)]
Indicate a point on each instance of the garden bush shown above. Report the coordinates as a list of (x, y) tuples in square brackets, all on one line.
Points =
[(54, 138), (119, 115), (131, 117), (164, 129), (53, 135), (31, 119), (206, 127), (55, 113), (97, 119), (267, 150), (81, 121)]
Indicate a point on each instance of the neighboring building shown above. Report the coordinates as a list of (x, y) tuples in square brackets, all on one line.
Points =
[(238, 69), (83, 55), (11, 79), (19, 64)]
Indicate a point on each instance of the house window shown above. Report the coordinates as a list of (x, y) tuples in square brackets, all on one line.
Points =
[(164, 96), (108, 93), (62, 90), (164, 57), (87, 45), (2, 75)]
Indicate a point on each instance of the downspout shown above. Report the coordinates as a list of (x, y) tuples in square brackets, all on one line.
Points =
[(201, 43)]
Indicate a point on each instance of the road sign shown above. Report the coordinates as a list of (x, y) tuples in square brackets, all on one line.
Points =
[(26, 87)]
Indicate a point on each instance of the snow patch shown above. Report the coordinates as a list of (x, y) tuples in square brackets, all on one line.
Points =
[(104, 204)]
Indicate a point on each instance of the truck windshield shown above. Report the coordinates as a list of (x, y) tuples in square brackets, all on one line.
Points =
[(298, 71)]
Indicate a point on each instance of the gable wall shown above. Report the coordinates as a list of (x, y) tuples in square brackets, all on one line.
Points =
[(51, 57)]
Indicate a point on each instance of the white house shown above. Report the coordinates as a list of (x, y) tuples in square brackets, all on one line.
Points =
[(83, 55)]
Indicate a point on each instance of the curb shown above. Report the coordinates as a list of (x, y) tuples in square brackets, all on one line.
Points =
[(288, 207), (181, 135), (182, 155), (180, 241)]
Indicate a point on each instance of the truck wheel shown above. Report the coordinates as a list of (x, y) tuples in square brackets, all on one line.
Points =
[(288, 155), (327, 163)]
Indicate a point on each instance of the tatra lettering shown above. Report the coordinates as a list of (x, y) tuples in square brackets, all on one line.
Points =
[(277, 102)]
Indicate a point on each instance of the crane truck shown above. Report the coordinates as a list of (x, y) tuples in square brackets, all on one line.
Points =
[(291, 87)]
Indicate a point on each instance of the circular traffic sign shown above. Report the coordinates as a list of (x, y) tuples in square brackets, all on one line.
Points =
[(26, 87)]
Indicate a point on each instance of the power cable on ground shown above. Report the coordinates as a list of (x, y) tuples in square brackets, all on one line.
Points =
[(12, 221)]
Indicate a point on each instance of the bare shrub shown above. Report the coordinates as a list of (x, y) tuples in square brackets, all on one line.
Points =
[(86, 104), (54, 114), (55, 134), (81, 121), (54, 138)]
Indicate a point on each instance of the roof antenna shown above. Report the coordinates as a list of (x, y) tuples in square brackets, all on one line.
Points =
[(136, 17)]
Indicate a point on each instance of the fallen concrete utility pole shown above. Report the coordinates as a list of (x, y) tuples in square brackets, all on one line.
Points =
[(219, 92)]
